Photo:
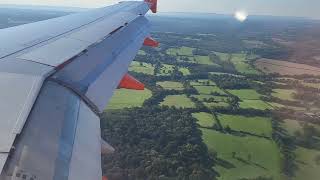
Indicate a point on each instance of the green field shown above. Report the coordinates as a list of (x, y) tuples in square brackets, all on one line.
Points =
[(141, 52), (254, 104), (279, 106), (216, 104), (204, 60), (313, 85), (202, 82), (255, 125), (185, 71), (254, 156), (220, 73), (179, 101), (124, 98), (296, 108), (209, 89), (241, 64), (223, 56), (171, 85), (166, 70), (245, 68), (246, 94), (219, 101), (141, 67), (293, 126), (279, 83), (204, 119), (189, 59), (285, 94), (276, 105), (254, 44), (203, 97), (183, 51), (308, 168)]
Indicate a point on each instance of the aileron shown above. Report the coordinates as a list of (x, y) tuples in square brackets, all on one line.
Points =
[(18, 93)]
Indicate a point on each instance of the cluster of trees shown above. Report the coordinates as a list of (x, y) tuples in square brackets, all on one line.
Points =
[(308, 95), (201, 52), (272, 52), (231, 82), (308, 137), (155, 143), (227, 65), (287, 147)]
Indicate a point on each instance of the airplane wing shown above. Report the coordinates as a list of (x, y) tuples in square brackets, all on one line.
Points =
[(56, 77)]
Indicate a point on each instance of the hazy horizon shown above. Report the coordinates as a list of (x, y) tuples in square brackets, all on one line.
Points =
[(171, 14), (297, 8)]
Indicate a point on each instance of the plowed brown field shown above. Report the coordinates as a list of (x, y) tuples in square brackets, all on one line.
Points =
[(285, 68)]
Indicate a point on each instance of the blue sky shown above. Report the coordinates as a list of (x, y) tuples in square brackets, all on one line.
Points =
[(301, 8)]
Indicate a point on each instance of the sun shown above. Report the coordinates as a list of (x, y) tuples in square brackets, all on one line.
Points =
[(241, 15)]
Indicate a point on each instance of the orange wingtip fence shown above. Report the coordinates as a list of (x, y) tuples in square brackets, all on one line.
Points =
[(153, 5)]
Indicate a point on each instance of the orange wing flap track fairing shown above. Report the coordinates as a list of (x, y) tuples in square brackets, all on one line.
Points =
[(129, 82)]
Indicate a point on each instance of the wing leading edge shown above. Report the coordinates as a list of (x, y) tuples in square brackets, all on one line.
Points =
[(57, 77)]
